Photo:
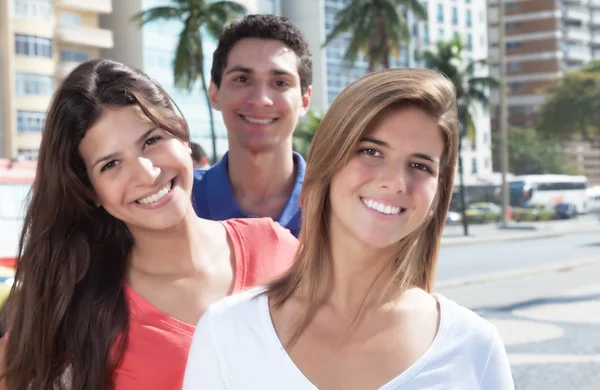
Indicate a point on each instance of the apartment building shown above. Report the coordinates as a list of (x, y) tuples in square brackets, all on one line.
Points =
[(41, 41), (331, 75), (152, 49), (543, 40)]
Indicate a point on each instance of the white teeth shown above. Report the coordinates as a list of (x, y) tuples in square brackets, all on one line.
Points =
[(382, 208), (158, 196), (258, 121)]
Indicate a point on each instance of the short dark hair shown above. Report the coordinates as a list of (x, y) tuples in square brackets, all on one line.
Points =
[(197, 152), (263, 26)]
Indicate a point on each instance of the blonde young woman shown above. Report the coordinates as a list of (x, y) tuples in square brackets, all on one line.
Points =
[(356, 310)]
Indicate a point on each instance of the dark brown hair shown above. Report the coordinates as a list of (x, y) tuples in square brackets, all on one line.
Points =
[(68, 317), (263, 26)]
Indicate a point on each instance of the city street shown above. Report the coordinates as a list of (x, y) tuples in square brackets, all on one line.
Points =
[(548, 317)]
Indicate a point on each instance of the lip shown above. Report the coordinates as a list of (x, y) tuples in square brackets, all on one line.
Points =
[(165, 199)]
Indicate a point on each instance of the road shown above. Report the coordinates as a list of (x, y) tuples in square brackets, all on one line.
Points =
[(462, 261), (550, 322)]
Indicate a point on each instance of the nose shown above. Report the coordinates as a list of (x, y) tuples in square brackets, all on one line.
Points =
[(394, 177), (145, 172), (259, 95)]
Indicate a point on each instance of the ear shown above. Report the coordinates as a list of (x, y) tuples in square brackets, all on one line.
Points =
[(306, 100), (213, 95)]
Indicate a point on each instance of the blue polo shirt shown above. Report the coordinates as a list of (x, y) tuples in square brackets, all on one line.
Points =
[(213, 199)]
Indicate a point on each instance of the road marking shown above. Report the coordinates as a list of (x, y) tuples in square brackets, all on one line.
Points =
[(517, 359), (561, 266)]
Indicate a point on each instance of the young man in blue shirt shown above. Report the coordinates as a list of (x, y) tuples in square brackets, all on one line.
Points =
[(261, 82)]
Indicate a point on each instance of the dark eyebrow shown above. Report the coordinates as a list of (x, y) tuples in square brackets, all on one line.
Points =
[(244, 69), (384, 144), (111, 156)]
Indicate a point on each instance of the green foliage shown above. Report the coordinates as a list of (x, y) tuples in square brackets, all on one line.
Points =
[(470, 89), (531, 153), (377, 28), (305, 131), (573, 107)]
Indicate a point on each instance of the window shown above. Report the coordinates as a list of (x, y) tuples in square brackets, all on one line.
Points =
[(515, 86), (33, 9), (426, 34), (32, 46), (513, 66), (513, 45), (469, 44), (34, 84), (440, 33), (468, 19), (28, 154), (30, 121), (561, 186), (440, 13), (474, 165), (454, 16), (69, 55), (487, 162), (70, 19)]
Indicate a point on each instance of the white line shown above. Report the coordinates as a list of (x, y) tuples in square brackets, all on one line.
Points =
[(517, 359)]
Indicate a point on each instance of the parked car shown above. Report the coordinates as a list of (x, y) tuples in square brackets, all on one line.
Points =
[(565, 211), (483, 212), (533, 212)]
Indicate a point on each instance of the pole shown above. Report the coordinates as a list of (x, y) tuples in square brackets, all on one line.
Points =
[(503, 115)]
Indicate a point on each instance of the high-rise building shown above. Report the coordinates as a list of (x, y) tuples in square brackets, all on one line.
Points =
[(543, 40), (152, 49), (467, 18), (41, 41)]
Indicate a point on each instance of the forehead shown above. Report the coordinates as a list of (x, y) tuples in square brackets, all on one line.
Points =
[(115, 127), (262, 55), (408, 127)]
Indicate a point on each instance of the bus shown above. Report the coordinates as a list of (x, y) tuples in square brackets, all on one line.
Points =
[(594, 199), (16, 179), (550, 190)]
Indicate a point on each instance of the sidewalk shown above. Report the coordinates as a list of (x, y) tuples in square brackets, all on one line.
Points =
[(453, 235)]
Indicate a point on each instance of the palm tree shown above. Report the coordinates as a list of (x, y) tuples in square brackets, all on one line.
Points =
[(471, 91), (196, 16), (305, 130), (378, 28)]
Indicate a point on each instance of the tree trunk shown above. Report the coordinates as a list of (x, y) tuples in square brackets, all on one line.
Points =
[(461, 178), (213, 134)]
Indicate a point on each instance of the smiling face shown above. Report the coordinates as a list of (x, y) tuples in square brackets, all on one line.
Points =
[(387, 188), (260, 96), (141, 174)]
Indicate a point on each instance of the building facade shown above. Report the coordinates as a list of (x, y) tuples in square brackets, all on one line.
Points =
[(41, 41), (544, 39)]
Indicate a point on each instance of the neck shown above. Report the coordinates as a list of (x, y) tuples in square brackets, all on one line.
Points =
[(175, 251), (261, 175), (357, 272)]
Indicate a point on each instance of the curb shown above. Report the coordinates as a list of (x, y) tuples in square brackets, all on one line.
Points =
[(562, 266), (469, 240)]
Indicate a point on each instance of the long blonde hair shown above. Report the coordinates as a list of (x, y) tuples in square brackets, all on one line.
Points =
[(335, 141)]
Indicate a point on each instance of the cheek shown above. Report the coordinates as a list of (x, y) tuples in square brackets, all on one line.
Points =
[(426, 190), (109, 192)]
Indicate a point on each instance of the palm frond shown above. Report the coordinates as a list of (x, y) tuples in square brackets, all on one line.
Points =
[(158, 13)]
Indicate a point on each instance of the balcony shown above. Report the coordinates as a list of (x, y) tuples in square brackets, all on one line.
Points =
[(98, 6), (594, 3), (87, 36), (576, 13), (595, 41), (577, 54), (595, 19), (576, 34)]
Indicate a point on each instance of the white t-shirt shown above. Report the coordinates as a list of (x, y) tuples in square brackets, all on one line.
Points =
[(235, 347)]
